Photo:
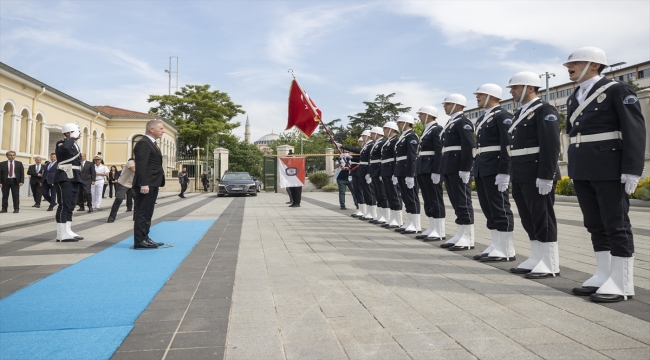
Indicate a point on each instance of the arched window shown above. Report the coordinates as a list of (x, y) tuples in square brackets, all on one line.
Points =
[(135, 140), (38, 136), (7, 119), (24, 131)]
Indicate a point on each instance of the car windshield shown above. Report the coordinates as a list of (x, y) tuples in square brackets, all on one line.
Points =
[(231, 176)]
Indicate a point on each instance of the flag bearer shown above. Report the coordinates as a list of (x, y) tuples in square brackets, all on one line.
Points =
[(534, 150), (606, 157), (354, 167)]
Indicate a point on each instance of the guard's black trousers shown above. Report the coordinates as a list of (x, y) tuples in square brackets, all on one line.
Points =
[(434, 206), (358, 188), (604, 206), (392, 194), (380, 192), (368, 194), (495, 204), (536, 211), (460, 196), (410, 196), (66, 195)]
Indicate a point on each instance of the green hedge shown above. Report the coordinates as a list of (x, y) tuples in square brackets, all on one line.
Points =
[(565, 187), (319, 179), (642, 191), (330, 188)]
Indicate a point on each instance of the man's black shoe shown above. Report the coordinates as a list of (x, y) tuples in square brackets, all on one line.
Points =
[(90, 209), (50, 208), (532, 275), (608, 298), (111, 219), (584, 290), (127, 210), (38, 206), (497, 258), (145, 245), (460, 248), (15, 211), (68, 240), (289, 202), (81, 209), (294, 205), (519, 271), (399, 229), (343, 208), (180, 195), (446, 245), (3, 211), (157, 243), (479, 256), (34, 205)]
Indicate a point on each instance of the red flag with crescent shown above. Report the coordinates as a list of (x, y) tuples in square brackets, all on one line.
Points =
[(303, 112)]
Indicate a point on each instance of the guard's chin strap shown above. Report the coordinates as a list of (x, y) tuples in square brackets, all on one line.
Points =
[(584, 71), (485, 104), (523, 93), (401, 129), (452, 109)]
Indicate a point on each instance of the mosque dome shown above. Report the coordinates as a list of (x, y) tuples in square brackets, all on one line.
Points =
[(267, 139)]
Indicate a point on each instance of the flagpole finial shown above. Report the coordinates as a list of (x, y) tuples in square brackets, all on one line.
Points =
[(290, 71)]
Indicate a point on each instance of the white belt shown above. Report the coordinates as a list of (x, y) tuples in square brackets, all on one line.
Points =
[(353, 163), (612, 135), (377, 161), (487, 149), (74, 167), (451, 148), (387, 161), (526, 151), (427, 153), (400, 158), (363, 163)]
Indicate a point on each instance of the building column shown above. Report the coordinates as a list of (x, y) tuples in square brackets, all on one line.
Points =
[(15, 133), (2, 123), (224, 162), (329, 162), (28, 136)]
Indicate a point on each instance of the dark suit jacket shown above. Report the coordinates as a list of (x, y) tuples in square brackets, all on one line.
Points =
[(88, 173), (618, 110), (33, 174), (48, 175), (19, 171), (148, 164)]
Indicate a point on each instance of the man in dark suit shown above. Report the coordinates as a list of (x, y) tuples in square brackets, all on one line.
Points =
[(183, 179), (12, 177), (149, 177), (87, 179), (35, 173), (47, 182)]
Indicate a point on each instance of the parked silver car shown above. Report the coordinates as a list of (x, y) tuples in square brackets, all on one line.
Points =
[(237, 183)]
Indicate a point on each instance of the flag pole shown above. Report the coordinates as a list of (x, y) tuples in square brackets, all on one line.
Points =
[(290, 71)]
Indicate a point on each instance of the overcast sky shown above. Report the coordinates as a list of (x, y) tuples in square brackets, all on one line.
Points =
[(343, 53)]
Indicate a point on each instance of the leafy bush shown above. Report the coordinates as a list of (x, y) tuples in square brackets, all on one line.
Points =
[(565, 187), (319, 179), (330, 188), (642, 191)]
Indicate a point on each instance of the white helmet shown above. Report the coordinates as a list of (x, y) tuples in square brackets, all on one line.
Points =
[(391, 125), (589, 54), (455, 99), (406, 119), (365, 133), (429, 110), (525, 78), (69, 127), (491, 90), (377, 130)]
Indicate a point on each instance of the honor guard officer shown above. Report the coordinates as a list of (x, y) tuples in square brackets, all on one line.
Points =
[(374, 169), (534, 150), (406, 151), (66, 181), (387, 169), (457, 148), (492, 173), (606, 157), (428, 170), (364, 196)]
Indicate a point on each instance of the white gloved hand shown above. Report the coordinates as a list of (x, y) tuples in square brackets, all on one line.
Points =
[(337, 144), (75, 134), (394, 180), (381, 179), (464, 175), (630, 182), (435, 178), (350, 178), (502, 182), (368, 179), (410, 182), (545, 186)]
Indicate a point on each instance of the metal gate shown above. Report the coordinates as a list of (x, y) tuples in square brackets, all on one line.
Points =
[(270, 174), (196, 165)]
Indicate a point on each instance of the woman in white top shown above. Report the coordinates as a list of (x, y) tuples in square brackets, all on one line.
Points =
[(97, 188)]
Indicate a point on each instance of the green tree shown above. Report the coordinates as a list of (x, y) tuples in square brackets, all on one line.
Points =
[(377, 113), (242, 156), (198, 113), (635, 86)]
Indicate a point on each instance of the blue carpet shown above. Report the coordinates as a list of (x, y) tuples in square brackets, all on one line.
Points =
[(86, 310)]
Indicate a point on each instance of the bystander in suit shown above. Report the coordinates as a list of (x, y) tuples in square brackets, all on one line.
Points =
[(12, 177), (47, 183), (35, 173), (87, 180)]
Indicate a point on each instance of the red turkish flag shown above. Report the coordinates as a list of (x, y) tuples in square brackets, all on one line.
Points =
[(303, 112)]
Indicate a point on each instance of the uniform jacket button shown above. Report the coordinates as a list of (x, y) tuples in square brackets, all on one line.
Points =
[(577, 123)]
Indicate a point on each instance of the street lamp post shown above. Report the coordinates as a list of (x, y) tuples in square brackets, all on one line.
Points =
[(196, 167), (547, 75)]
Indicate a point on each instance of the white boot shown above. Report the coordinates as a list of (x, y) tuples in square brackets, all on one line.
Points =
[(549, 264), (373, 211), (495, 239), (454, 239), (368, 213), (393, 223), (426, 232), (58, 231), (466, 241), (535, 256), (360, 211), (382, 215), (620, 283), (408, 221), (68, 229), (603, 269), (417, 223), (437, 230), (62, 234), (504, 249), (410, 225)]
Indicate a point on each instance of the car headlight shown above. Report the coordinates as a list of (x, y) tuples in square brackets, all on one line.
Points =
[(222, 185)]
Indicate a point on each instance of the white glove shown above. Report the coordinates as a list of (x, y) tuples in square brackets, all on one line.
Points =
[(337, 144), (75, 134), (368, 179), (630, 182), (350, 178), (410, 182), (347, 156), (381, 179), (394, 180), (544, 186), (502, 182), (435, 178), (464, 175)]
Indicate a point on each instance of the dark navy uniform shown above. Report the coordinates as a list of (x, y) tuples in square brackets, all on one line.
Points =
[(457, 146), (386, 172), (364, 193), (427, 163), (491, 159), (374, 169), (405, 156), (534, 151), (66, 188), (354, 166), (596, 166)]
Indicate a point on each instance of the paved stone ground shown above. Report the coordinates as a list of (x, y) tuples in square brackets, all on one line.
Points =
[(271, 282)]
